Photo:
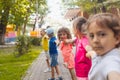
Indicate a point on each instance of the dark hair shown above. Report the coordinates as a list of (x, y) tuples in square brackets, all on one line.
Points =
[(106, 20), (79, 23), (66, 30), (48, 27)]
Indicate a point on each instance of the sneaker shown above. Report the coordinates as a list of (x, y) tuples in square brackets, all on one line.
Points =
[(60, 78), (48, 70), (51, 79)]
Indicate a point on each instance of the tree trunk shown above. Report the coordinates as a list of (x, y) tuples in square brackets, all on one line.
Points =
[(34, 24), (3, 23), (2, 34), (24, 27)]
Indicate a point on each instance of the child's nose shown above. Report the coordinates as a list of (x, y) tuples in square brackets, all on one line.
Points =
[(62, 35), (95, 39)]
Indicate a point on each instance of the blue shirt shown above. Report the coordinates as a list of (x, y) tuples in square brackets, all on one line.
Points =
[(52, 46)]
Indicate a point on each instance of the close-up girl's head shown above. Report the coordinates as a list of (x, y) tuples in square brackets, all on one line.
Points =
[(64, 33), (79, 25), (103, 32)]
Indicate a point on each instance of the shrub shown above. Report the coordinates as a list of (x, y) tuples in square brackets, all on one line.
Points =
[(23, 45), (35, 41)]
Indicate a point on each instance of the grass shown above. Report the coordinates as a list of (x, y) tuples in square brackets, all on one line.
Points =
[(14, 68)]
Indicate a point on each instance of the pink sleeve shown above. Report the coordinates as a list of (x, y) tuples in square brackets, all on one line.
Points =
[(85, 42)]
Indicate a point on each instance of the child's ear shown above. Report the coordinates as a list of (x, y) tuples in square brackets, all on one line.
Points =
[(118, 40)]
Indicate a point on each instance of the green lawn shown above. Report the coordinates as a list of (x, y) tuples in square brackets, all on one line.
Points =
[(14, 68)]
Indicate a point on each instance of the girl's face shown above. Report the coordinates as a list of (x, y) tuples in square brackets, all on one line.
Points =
[(102, 39), (63, 36)]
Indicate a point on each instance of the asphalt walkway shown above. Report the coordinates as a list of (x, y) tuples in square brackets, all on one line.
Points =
[(36, 70)]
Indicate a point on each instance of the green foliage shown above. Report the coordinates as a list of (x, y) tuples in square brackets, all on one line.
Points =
[(91, 5), (14, 68), (35, 41), (19, 10), (23, 45), (85, 5)]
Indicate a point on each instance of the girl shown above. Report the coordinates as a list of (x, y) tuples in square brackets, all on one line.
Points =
[(66, 49), (104, 36), (82, 63)]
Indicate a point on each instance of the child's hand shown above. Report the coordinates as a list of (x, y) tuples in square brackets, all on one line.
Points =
[(68, 41), (65, 64), (90, 53), (57, 42)]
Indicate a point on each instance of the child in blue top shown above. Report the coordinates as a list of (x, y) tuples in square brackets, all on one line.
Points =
[(53, 54)]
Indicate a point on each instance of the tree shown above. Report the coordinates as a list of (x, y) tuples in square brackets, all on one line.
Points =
[(95, 6), (41, 9), (16, 12), (5, 8)]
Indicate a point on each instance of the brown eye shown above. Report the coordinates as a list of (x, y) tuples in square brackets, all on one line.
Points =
[(60, 34), (91, 36), (101, 34)]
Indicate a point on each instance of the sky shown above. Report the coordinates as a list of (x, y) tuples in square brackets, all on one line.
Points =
[(54, 7), (54, 17)]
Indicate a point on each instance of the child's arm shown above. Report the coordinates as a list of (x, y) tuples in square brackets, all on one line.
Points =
[(114, 76), (69, 41), (90, 53), (57, 42), (65, 64)]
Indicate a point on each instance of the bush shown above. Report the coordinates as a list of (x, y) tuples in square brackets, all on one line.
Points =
[(23, 45), (35, 41)]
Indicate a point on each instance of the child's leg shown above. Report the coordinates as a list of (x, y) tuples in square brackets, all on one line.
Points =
[(58, 73), (48, 64), (53, 64), (47, 59), (72, 73), (52, 72), (57, 70)]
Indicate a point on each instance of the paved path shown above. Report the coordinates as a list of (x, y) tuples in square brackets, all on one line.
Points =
[(36, 71), (6, 45)]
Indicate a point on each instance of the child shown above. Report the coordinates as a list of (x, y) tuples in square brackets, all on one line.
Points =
[(104, 37), (82, 63), (66, 49), (45, 48), (53, 54)]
